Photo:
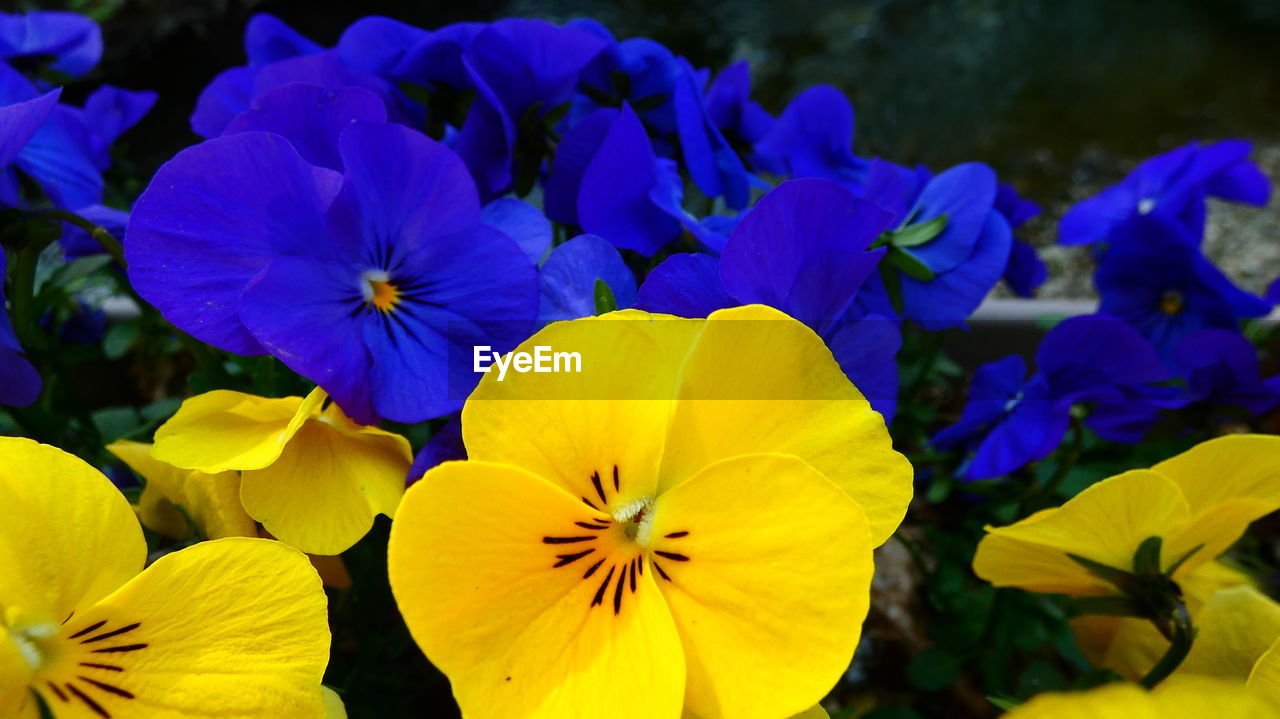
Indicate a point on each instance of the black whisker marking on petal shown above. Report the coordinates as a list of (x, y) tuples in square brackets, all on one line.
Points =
[(599, 598), (115, 633), (640, 565), (104, 667), (69, 616), (571, 558), (589, 504), (595, 480), (672, 556), (677, 535), (121, 649), (588, 525), (566, 540), (86, 630), (61, 694), (616, 488), (617, 592), (109, 688), (593, 569), (660, 572), (633, 574), (94, 706)]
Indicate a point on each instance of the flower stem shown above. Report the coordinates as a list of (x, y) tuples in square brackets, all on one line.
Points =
[(97, 232), (1181, 635)]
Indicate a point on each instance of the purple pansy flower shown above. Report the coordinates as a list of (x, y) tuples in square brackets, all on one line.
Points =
[(814, 138), (570, 275), (72, 40), (1172, 186), (374, 280)]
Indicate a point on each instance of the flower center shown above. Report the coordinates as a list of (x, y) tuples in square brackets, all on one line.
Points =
[(636, 520), (29, 642), (1172, 302), (379, 291), (1146, 205)]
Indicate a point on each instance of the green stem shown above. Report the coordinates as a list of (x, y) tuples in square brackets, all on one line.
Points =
[(22, 273), (97, 232), (1181, 637)]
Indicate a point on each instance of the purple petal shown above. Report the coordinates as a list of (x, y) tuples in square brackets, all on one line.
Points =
[(685, 285), (965, 194), (62, 157), (569, 276), (616, 200), (572, 157), (715, 167), (866, 350), (20, 121), (522, 222), (948, 299), (377, 45), (444, 446), (211, 219), (311, 117), (72, 39), (814, 138), (269, 39)]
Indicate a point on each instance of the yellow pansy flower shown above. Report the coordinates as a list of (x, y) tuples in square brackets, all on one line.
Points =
[(685, 525), (1130, 646), (228, 629), (1200, 698), (1198, 503), (310, 475), (172, 498)]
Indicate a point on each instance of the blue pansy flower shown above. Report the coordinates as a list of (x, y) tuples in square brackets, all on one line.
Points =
[(814, 138), (638, 71), (1025, 270), (803, 248), (1221, 367), (521, 70), (742, 120), (71, 42), (571, 274), (948, 245), (1154, 276), (404, 53), (607, 179), (279, 56), (1172, 186), (713, 164), (1012, 419), (374, 281)]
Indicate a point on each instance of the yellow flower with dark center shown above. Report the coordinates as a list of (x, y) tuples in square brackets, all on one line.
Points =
[(1197, 503), (229, 629), (310, 475), (685, 526)]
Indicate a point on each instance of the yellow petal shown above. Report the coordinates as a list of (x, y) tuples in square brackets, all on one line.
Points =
[(1236, 628), (328, 484), (1115, 701), (771, 597), (1198, 697), (758, 381), (230, 629), (573, 429), (1106, 523), (67, 535), (518, 636), (333, 706), (1213, 531), (1236, 466), (223, 430), (160, 515), (212, 501), (1265, 677)]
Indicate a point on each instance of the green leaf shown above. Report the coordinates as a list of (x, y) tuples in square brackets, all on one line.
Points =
[(919, 233), (1146, 560), (78, 269), (1178, 564), (605, 301), (1122, 580), (908, 264), (120, 338), (892, 287)]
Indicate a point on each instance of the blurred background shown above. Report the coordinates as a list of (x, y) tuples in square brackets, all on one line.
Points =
[(1062, 98)]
